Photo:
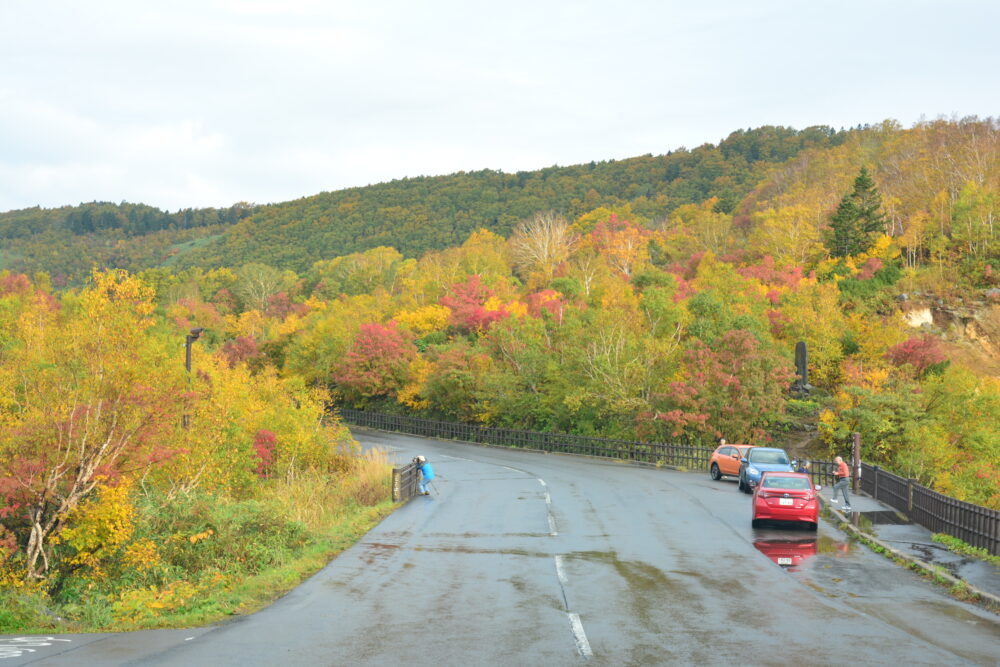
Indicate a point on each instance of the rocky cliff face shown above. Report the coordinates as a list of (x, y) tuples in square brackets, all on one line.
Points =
[(970, 330)]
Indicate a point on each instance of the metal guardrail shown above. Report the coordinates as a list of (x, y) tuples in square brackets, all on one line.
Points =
[(405, 482), (975, 525)]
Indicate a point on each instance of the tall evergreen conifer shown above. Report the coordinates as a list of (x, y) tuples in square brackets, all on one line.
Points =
[(858, 218)]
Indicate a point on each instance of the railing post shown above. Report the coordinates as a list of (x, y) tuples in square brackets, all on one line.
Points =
[(396, 483), (909, 496), (875, 475), (856, 462)]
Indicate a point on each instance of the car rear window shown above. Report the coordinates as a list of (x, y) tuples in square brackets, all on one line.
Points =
[(772, 482), (764, 456)]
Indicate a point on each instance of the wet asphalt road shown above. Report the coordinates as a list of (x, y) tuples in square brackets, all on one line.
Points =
[(531, 559)]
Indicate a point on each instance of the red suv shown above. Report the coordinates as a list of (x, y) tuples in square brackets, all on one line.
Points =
[(726, 460)]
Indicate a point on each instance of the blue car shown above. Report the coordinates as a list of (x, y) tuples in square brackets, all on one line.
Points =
[(760, 460)]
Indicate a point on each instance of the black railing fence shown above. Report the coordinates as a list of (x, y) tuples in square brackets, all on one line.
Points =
[(975, 525), (681, 456)]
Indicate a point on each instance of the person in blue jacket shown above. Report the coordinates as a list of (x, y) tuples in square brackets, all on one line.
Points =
[(426, 474)]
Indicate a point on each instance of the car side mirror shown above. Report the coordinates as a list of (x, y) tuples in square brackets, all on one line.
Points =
[(743, 460), (736, 456), (819, 488)]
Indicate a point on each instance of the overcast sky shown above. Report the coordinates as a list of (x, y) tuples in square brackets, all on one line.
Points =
[(208, 102)]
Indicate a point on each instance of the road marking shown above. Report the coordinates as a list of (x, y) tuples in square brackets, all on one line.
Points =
[(548, 499), (189, 639), (552, 525), (559, 569), (582, 645), (15, 647), (542, 482)]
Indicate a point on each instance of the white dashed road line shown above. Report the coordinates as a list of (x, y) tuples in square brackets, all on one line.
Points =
[(582, 645), (559, 569)]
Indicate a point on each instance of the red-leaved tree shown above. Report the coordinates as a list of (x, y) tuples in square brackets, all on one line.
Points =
[(466, 301), (920, 352), (264, 448), (734, 390), (376, 363)]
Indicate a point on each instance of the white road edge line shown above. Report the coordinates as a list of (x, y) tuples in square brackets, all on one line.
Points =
[(542, 482), (548, 499), (559, 569), (582, 645), (552, 525)]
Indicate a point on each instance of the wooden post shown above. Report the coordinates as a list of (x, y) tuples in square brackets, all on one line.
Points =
[(396, 490)]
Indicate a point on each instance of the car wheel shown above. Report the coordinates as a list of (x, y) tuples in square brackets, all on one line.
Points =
[(716, 475), (755, 523)]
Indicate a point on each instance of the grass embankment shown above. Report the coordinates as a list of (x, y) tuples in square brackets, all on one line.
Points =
[(201, 559)]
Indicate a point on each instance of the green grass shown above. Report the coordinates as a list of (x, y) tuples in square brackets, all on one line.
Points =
[(254, 593), (7, 258), (187, 246), (214, 597)]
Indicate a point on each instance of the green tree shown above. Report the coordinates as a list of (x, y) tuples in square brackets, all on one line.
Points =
[(857, 219)]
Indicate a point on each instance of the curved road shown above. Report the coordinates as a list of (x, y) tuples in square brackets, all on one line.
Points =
[(523, 558)]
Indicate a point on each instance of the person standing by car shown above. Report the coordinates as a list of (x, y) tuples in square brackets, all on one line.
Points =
[(843, 476), (426, 474)]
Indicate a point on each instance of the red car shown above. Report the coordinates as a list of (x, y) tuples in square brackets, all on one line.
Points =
[(785, 496)]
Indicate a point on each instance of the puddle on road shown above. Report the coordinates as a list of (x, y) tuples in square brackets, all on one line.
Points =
[(828, 545), (942, 557), (790, 553), (377, 550), (883, 517), (471, 535), (462, 549)]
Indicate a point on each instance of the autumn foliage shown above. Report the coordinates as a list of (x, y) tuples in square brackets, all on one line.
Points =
[(662, 304)]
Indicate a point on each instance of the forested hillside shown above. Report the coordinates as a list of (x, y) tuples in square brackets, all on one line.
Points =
[(412, 215)]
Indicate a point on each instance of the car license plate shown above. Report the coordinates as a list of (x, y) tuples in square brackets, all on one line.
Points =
[(784, 501), (784, 561)]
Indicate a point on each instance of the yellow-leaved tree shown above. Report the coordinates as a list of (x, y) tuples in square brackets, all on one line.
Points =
[(88, 397)]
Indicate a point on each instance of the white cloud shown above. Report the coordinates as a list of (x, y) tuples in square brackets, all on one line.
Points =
[(203, 103)]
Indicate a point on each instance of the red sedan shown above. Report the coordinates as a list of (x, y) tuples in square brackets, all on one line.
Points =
[(785, 496)]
